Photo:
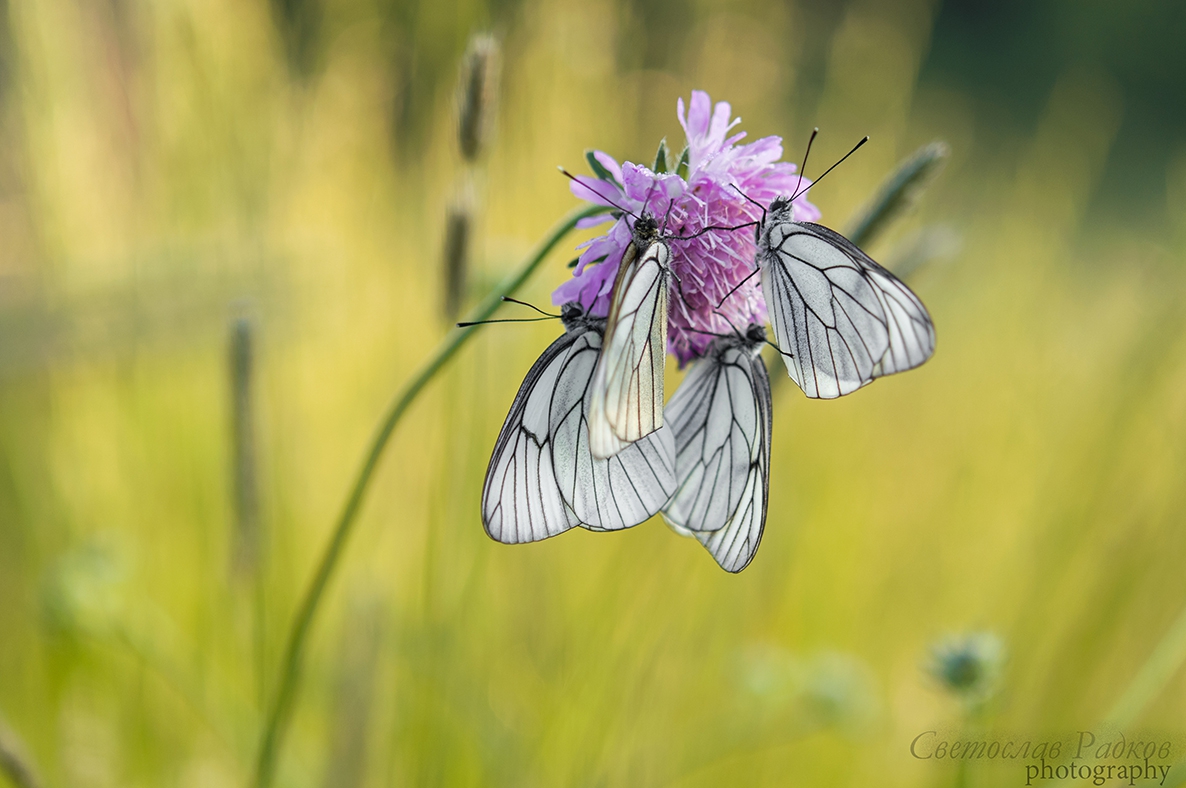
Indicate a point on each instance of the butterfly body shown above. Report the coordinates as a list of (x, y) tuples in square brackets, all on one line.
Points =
[(840, 319)]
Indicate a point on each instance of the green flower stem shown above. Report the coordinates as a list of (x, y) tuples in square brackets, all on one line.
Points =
[(281, 711)]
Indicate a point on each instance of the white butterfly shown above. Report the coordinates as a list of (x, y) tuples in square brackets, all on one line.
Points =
[(542, 479), (840, 319), (721, 416), (627, 401)]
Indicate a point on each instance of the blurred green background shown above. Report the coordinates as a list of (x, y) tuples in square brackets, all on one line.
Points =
[(171, 169)]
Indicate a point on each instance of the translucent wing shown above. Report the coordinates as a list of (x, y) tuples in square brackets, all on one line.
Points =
[(627, 400), (604, 494), (840, 319), (721, 416), (521, 501), (543, 480), (735, 545)]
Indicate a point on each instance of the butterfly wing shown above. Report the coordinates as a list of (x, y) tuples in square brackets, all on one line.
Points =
[(841, 320), (911, 331), (521, 501), (627, 399), (613, 493), (721, 416)]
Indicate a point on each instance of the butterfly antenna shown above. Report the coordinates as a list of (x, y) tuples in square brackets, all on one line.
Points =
[(506, 320), (510, 300), (706, 333), (856, 147), (679, 285), (751, 199), (730, 322), (737, 287), (711, 227), (806, 153), (761, 207), (573, 178), (781, 352)]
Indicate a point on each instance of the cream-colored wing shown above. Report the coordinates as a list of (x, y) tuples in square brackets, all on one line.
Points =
[(626, 402)]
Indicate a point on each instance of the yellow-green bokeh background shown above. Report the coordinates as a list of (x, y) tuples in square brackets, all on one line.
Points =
[(169, 166)]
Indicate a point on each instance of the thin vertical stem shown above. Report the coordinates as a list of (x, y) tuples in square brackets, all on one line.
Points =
[(281, 711), (248, 540), (242, 352)]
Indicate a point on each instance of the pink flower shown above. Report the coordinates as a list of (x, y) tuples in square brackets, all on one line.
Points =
[(708, 266)]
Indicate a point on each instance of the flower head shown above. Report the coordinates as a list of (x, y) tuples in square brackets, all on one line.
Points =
[(968, 666), (713, 189)]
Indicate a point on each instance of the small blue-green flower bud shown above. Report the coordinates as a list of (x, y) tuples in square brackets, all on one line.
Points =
[(969, 666)]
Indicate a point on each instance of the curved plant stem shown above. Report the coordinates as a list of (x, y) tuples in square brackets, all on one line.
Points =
[(281, 710)]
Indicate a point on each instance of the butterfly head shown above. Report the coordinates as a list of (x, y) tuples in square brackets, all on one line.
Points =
[(780, 209), (755, 335), (571, 313), (752, 340), (646, 230), (780, 212), (574, 316)]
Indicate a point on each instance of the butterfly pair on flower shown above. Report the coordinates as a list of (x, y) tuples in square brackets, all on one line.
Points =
[(589, 441)]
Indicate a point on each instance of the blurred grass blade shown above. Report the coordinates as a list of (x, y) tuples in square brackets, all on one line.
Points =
[(1165, 661), (299, 24), (15, 762), (477, 94), (242, 360), (898, 193), (929, 245), (281, 710), (458, 227), (1159, 669), (248, 557), (355, 691)]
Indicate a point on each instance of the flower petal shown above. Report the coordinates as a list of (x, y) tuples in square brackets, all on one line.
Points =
[(698, 115), (610, 164), (720, 121), (593, 221)]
